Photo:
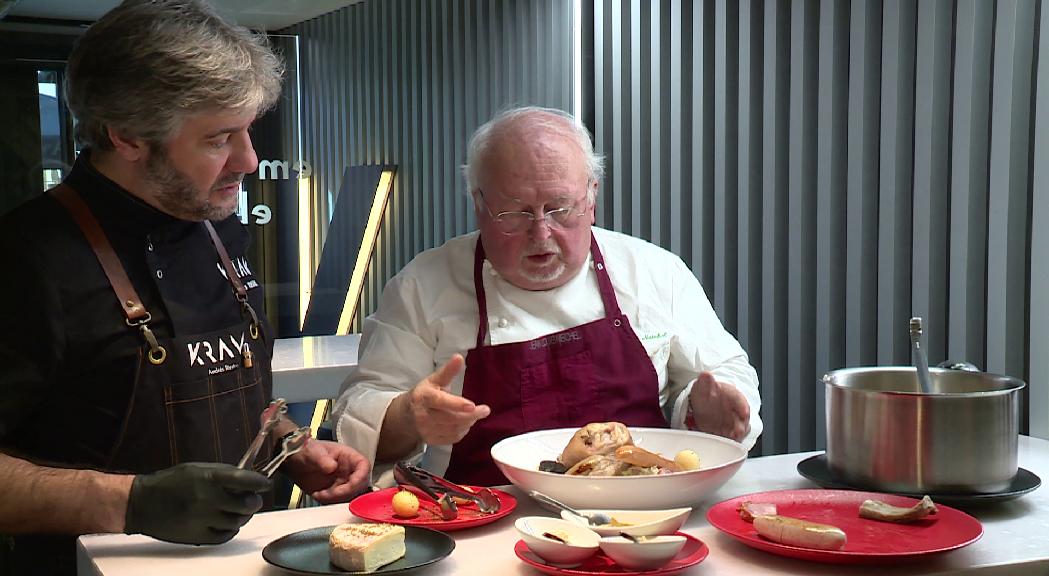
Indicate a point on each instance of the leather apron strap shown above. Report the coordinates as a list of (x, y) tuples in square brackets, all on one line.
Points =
[(234, 280), (227, 264), (135, 312), (130, 303)]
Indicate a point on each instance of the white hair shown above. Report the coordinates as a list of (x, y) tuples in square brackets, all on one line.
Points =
[(551, 118)]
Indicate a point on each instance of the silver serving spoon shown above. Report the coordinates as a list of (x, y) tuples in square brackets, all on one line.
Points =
[(595, 519)]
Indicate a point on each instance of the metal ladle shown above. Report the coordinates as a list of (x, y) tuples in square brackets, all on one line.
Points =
[(595, 519)]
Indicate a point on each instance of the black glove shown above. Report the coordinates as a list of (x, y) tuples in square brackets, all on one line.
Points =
[(194, 503)]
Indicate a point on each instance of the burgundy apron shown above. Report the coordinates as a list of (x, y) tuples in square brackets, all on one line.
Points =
[(595, 372)]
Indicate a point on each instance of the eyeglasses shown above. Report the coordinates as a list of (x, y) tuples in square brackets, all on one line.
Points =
[(517, 222)]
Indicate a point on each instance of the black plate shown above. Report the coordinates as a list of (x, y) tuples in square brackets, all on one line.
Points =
[(818, 471), (306, 552)]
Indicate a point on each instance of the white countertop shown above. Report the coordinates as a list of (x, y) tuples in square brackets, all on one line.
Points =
[(1014, 541), (312, 367)]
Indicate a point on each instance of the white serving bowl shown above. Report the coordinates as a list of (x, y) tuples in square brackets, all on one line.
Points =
[(518, 458), (649, 554), (641, 522), (582, 543)]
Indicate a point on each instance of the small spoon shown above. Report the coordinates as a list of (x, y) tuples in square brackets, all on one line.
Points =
[(595, 519), (632, 538)]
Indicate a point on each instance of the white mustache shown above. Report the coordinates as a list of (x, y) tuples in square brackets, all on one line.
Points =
[(552, 248)]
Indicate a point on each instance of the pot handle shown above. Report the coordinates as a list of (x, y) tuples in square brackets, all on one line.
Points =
[(958, 365)]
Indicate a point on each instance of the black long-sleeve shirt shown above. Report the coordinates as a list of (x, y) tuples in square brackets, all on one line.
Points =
[(62, 331)]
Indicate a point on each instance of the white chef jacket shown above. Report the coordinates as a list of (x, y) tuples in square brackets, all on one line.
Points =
[(428, 312)]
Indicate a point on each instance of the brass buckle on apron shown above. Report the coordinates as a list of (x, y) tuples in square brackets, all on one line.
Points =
[(156, 354), (246, 308)]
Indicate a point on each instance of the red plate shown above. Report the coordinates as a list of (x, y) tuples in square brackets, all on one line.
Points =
[(377, 507), (868, 541), (693, 552)]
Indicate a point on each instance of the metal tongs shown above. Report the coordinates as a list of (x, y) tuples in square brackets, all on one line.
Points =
[(429, 483), (290, 444), (270, 416), (404, 476)]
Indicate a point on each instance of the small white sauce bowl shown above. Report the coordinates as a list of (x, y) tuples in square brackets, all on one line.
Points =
[(582, 542), (651, 553), (640, 522)]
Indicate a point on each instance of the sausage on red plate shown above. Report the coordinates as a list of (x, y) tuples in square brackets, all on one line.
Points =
[(801, 533)]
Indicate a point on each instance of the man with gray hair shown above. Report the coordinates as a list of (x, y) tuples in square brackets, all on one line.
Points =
[(561, 323), (136, 358)]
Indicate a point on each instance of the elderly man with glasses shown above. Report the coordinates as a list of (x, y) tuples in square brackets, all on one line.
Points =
[(558, 323)]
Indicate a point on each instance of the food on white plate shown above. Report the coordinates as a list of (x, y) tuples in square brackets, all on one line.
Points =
[(878, 510), (594, 439), (749, 510), (405, 504), (366, 547), (637, 456), (607, 449), (552, 466), (800, 533), (687, 460), (598, 465)]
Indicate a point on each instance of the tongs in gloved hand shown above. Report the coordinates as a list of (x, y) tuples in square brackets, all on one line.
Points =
[(429, 483), (290, 444), (269, 418)]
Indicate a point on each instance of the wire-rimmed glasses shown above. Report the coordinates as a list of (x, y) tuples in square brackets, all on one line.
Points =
[(515, 222)]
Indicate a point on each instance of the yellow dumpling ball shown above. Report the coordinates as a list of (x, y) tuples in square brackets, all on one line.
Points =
[(686, 460), (405, 504)]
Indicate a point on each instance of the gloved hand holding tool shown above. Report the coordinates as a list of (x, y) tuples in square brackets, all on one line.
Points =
[(194, 503)]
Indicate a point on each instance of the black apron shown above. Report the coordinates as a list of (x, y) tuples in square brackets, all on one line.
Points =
[(196, 398)]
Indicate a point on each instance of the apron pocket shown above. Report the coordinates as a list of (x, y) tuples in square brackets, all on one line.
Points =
[(562, 392), (197, 410)]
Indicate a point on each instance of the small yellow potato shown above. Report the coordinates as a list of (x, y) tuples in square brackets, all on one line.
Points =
[(405, 504), (686, 460)]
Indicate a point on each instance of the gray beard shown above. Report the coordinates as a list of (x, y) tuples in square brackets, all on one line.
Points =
[(177, 195)]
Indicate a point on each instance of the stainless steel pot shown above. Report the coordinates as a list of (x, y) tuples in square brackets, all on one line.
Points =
[(883, 433)]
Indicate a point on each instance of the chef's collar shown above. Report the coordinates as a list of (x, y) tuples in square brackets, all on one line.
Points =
[(117, 207)]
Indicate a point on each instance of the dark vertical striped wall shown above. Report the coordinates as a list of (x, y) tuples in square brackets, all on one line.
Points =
[(406, 82), (829, 169)]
